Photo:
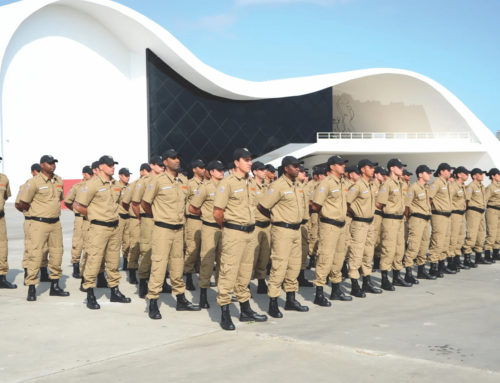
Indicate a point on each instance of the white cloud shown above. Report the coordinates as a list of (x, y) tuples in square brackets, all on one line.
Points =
[(217, 23), (244, 3)]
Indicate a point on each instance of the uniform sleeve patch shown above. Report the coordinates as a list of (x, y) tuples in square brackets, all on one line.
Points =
[(139, 186), (27, 186), (150, 186), (352, 190), (197, 192), (469, 190), (433, 187), (409, 194), (321, 190), (85, 189), (71, 191), (383, 190), (271, 191), (221, 190), (128, 189)]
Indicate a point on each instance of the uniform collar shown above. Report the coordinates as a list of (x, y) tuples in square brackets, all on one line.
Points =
[(288, 181), (334, 178), (239, 177), (443, 180), (197, 181), (367, 183), (105, 181), (213, 182), (45, 178), (171, 177), (395, 179), (478, 183)]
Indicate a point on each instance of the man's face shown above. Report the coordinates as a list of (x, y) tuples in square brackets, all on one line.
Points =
[(49, 167), (125, 179), (368, 170), (261, 173), (321, 177), (144, 172), (496, 178), (301, 176), (445, 174), (337, 168), (217, 174), (464, 177), (379, 177), (479, 176), (397, 170), (199, 171), (426, 176), (173, 163), (244, 164), (271, 175), (354, 176), (292, 170), (87, 176), (158, 169), (109, 170), (96, 171), (34, 173)]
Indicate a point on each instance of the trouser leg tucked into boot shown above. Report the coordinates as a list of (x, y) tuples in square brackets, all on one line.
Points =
[(117, 296), (386, 284), (31, 293), (56, 291), (338, 295), (294, 305), (368, 286), (409, 278), (44, 274), (451, 264), (261, 287), (248, 315), (488, 257), (154, 311), (468, 261), (274, 309), (76, 270), (397, 280), (459, 265), (423, 274), (204, 299), (184, 305), (132, 277), (480, 260), (143, 288), (320, 299), (91, 300), (101, 281), (444, 269), (356, 290), (189, 282), (434, 271), (226, 323)]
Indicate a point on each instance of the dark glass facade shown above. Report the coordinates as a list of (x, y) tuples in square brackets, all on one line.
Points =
[(200, 125)]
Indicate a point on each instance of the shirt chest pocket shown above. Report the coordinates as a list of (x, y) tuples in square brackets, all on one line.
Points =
[(45, 192), (364, 194), (239, 196), (421, 197), (168, 193)]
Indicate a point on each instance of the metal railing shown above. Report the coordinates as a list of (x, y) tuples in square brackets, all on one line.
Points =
[(394, 136)]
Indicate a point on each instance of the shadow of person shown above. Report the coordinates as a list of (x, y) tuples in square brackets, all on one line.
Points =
[(168, 299), (62, 282), (12, 275)]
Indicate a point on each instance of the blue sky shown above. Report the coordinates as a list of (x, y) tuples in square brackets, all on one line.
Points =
[(455, 42)]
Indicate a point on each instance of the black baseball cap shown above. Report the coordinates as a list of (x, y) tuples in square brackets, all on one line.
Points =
[(302, 168), (241, 153), (407, 173), (124, 171), (336, 160), (422, 169), (289, 160), (156, 160), (171, 153), (145, 167), (366, 162), (477, 171), (198, 164), (86, 169), (258, 166), (352, 169), (318, 171), (230, 166), (48, 159), (107, 160), (461, 169), (95, 165), (271, 168), (443, 166), (492, 172), (381, 170), (215, 165), (38, 168), (395, 162)]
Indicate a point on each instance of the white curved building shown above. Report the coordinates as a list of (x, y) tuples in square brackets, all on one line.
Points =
[(83, 78)]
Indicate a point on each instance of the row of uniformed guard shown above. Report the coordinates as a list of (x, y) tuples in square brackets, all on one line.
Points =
[(347, 214)]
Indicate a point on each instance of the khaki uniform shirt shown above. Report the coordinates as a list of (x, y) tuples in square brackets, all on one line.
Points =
[(440, 195), (476, 195), (127, 197), (101, 198), (457, 195), (417, 199), (311, 187), (362, 199), (331, 195), (70, 197), (193, 186), (405, 188), (4, 190), (305, 197), (204, 200), (121, 210), (347, 184), (493, 194), (235, 196), (167, 196), (44, 196), (391, 195), (376, 189), (260, 191), (284, 200), (140, 189), (18, 198)]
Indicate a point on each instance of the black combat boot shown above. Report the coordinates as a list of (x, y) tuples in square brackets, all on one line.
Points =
[(132, 277), (294, 305), (261, 287), (154, 311), (31, 293), (5, 284), (101, 281), (204, 299), (386, 284), (345, 271), (303, 282), (423, 274), (143, 288), (409, 278), (25, 276), (44, 275), (91, 300), (376, 263), (274, 309), (184, 305), (248, 315), (480, 260), (368, 286), (166, 288), (434, 271), (226, 323), (468, 261), (312, 262), (189, 282), (117, 296), (451, 264), (83, 290), (397, 280), (320, 299), (496, 254), (356, 290), (125, 264), (459, 265), (55, 290), (488, 257), (76, 270), (338, 295), (444, 269)]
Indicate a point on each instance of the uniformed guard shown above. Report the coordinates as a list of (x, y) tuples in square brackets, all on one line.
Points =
[(476, 205), (124, 225), (134, 227), (270, 175), (361, 206), (406, 184), (202, 205), (95, 168), (304, 227), (379, 178), (390, 200), (77, 241), (262, 228), (493, 217), (4, 265), (283, 205), (42, 197), (418, 214), (352, 175), (329, 201), (230, 168), (458, 206), (313, 221), (234, 209), (193, 224), (165, 201)]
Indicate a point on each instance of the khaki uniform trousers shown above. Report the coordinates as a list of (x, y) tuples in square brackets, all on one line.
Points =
[(167, 249), (42, 235), (474, 238), (4, 264), (27, 243), (263, 251), (313, 234), (418, 241), (457, 234), (135, 248), (377, 230), (211, 250), (286, 258), (83, 261), (331, 254), (193, 244), (392, 244), (304, 234), (238, 249), (441, 229), (348, 237), (124, 229), (147, 225), (492, 229), (77, 241), (103, 245), (361, 249)]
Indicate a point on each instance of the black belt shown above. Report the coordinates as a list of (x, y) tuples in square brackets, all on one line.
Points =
[(45, 220), (293, 226), (27, 218), (85, 218), (247, 229), (461, 212), (102, 223), (144, 215), (493, 207), (78, 215), (124, 216), (169, 226), (195, 217), (332, 222), (446, 214), (392, 216), (361, 219), (476, 209), (422, 216), (378, 212), (212, 224), (2, 213), (262, 225), (304, 221), (133, 217)]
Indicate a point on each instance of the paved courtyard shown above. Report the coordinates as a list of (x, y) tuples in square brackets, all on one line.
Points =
[(446, 330)]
